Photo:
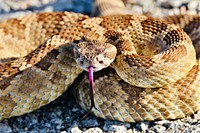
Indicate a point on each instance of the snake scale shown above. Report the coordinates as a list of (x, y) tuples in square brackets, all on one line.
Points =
[(38, 65)]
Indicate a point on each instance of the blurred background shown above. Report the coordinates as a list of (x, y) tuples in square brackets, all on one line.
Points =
[(156, 8)]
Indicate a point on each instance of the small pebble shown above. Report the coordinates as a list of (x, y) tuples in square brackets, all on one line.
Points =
[(90, 122), (115, 126), (143, 126), (93, 130), (158, 128), (119, 129), (193, 4), (63, 132), (5, 128), (75, 130), (197, 116)]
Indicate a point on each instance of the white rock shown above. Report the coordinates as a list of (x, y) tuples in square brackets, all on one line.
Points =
[(159, 128), (173, 3), (75, 130), (136, 9), (191, 12), (194, 4), (93, 130), (63, 132), (143, 126), (119, 129)]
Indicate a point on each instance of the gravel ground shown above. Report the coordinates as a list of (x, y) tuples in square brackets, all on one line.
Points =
[(63, 115)]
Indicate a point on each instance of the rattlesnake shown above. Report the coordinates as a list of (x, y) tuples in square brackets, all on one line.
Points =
[(31, 80)]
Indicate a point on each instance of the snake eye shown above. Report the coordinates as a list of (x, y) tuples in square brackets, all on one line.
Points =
[(81, 62)]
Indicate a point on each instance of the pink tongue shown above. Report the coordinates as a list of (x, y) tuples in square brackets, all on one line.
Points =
[(91, 79)]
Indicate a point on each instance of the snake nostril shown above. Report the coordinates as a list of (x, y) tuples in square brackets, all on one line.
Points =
[(101, 62), (77, 56)]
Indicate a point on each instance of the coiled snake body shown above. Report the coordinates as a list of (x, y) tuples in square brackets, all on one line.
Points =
[(155, 74)]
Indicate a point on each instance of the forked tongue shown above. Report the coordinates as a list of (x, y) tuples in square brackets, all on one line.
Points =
[(91, 80)]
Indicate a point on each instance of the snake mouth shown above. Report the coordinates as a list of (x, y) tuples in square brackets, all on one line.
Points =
[(91, 69)]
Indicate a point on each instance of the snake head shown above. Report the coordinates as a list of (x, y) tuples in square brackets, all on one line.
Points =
[(94, 53)]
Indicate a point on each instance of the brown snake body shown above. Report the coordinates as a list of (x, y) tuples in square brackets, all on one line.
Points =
[(37, 78)]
